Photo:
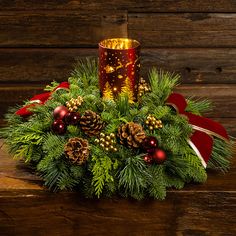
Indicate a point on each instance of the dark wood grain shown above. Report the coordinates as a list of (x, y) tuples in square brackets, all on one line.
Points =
[(63, 28), (183, 30), (39, 65), (130, 5), (191, 213), (26, 208), (196, 65), (88, 28), (10, 95), (222, 97)]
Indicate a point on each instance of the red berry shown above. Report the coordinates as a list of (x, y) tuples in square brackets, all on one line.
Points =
[(148, 159), (72, 118), (149, 143), (60, 112), (59, 127), (159, 156)]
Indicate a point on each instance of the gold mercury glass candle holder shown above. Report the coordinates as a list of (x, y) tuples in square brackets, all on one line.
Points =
[(119, 67)]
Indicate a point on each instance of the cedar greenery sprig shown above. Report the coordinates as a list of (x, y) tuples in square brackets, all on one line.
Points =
[(107, 173)]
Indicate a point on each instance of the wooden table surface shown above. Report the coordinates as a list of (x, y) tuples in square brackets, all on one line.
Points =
[(27, 208)]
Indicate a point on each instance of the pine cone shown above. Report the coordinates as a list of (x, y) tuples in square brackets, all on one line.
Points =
[(91, 123), (131, 134), (77, 150)]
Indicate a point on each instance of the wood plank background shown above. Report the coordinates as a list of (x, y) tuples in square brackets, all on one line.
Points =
[(40, 41)]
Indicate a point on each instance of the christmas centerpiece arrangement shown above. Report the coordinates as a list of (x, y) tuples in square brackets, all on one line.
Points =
[(109, 132)]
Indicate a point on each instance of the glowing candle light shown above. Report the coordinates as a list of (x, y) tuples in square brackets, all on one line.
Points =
[(119, 67)]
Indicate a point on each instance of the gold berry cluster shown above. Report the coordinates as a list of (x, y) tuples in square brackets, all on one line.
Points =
[(74, 103), (143, 87), (153, 123), (107, 141)]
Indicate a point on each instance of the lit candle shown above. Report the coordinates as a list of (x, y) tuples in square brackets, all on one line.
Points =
[(119, 67)]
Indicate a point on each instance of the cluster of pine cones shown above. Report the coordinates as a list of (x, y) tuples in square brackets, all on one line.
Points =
[(77, 149), (130, 134)]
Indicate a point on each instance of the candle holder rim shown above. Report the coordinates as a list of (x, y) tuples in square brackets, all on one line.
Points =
[(129, 39)]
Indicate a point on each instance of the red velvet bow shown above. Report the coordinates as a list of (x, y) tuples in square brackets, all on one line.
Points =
[(201, 140), (39, 99)]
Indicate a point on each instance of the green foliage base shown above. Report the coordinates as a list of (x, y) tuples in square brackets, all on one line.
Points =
[(107, 173)]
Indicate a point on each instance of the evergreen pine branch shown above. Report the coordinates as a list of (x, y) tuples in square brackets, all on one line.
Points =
[(157, 184), (161, 111), (107, 172), (162, 84), (101, 170), (123, 106), (60, 97), (77, 171), (195, 170), (54, 145), (173, 137), (87, 67), (51, 87), (186, 166), (101, 174), (112, 127), (42, 119), (44, 163), (73, 131), (177, 166), (57, 175), (133, 177), (86, 186), (173, 180), (107, 116), (221, 155), (37, 154), (22, 140), (197, 106), (12, 120), (110, 188), (67, 181), (93, 101), (85, 73)]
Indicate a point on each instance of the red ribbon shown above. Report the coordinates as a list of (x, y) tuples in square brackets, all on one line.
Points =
[(201, 140), (39, 99)]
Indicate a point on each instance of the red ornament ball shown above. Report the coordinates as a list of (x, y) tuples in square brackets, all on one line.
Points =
[(159, 156), (72, 118), (59, 127), (149, 143), (60, 112), (148, 159)]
